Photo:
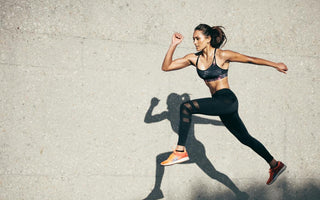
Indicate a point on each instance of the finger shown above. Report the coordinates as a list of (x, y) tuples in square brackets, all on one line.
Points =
[(178, 35)]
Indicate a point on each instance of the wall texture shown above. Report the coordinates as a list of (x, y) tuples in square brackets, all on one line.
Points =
[(77, 79)]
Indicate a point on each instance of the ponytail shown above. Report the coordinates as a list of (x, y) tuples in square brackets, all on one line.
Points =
[(218, 37)]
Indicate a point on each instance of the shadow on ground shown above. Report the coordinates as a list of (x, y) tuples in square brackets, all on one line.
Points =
[(196, 149), (281, 190)]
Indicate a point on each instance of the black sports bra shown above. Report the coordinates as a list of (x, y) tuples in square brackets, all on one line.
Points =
[(213, 73)]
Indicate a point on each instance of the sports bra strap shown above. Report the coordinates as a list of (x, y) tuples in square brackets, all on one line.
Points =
[(214, 57), (197, 60)]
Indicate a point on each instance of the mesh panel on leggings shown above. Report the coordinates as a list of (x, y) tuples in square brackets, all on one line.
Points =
[(187, 109)]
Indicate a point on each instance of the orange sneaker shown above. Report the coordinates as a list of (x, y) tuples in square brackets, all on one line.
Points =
[(275, 172), (176, 157)]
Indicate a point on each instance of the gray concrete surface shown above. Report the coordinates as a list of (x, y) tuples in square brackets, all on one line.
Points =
[(77, 79)]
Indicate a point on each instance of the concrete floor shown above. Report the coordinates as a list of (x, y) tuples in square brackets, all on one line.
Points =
[(76, 83)]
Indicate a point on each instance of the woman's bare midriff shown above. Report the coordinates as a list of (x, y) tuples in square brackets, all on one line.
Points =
[(217, 85)]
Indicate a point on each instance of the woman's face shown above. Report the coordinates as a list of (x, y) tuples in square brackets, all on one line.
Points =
[(200, 41)]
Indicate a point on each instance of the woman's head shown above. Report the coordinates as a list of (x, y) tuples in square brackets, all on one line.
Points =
[(214, 35)]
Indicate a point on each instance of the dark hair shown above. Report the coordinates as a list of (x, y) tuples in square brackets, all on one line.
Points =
[(218, 38)]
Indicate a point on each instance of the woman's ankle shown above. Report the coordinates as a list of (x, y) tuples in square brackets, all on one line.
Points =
[(180, 148), (273, 163)]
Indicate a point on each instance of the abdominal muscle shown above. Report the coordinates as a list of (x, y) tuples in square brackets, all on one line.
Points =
[(217, 85)]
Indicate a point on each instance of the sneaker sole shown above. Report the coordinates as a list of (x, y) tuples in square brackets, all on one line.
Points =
[(176, 162), (275, 178)]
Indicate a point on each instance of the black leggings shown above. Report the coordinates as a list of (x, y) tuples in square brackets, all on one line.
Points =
[(224, 104)]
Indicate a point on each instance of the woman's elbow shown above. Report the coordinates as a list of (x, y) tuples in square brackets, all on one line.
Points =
[(251, 60), (165, 68)]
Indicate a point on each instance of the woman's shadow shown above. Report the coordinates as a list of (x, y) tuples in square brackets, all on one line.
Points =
[(195, 148)]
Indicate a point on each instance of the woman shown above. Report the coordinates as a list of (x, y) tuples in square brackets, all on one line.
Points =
[(212, 64)]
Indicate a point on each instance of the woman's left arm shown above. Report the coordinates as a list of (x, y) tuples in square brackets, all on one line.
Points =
[(232, 56)]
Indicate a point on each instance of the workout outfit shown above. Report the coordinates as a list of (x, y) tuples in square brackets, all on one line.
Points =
[(224, 104), (214, 72)]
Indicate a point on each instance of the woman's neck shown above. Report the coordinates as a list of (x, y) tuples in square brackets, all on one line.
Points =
[(208, 51)]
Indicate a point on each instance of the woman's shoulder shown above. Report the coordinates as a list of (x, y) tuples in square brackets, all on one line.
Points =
[(225, 53), (192, 57)]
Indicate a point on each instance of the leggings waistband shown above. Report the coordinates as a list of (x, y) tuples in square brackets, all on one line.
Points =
[(222, 91)]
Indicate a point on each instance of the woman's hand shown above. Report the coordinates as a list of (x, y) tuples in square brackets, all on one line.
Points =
[(169, 64), (281, 67), (176, 38)]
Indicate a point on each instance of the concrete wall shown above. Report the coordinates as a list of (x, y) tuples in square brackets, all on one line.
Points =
[(77, 79)]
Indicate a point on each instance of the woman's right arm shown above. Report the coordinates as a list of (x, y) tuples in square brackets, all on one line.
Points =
[(169, 64)]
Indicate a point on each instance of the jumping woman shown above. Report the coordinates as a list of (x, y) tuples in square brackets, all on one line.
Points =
[(212, 64)]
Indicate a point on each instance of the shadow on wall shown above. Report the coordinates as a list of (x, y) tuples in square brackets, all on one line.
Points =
[(281, 190), (196, 150)]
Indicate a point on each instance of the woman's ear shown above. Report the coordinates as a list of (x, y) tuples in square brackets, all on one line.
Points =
[(208, 39)]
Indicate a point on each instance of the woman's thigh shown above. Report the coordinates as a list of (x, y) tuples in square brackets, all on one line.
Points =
[(211, 106)]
